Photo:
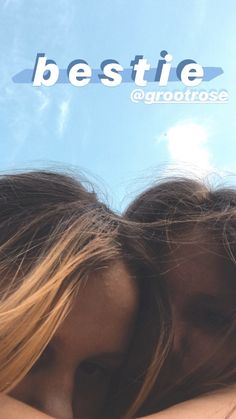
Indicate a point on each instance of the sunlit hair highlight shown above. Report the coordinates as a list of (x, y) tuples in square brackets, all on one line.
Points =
[(53, 235)]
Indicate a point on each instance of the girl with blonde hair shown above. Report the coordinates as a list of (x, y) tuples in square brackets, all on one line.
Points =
[(69, 299)]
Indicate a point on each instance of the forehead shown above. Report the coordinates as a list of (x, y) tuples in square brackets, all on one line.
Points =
[(198, 266), (103, 312)]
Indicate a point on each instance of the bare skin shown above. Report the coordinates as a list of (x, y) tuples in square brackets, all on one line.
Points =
[(202, 290), (13, 409), (221, 405), (200, 299), (71, 378)]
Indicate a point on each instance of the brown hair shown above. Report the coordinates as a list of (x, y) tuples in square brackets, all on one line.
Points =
[(166, 214)]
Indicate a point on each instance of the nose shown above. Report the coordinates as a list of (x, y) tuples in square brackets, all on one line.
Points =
[(55, 398), (58, 407)]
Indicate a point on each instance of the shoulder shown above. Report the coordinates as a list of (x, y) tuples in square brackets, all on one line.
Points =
[(218, 405), (13, 409)]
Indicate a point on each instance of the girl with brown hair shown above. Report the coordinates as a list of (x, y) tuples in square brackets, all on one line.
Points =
[(189, 232)]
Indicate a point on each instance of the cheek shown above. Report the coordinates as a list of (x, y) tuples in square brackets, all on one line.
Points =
[(25, 391), (88, 398), (193, 342), (196, 347)]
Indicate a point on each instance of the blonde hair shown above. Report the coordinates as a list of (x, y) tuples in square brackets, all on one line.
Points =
[(53, 234)]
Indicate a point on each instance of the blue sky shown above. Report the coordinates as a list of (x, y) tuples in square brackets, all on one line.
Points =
[(121, 145)]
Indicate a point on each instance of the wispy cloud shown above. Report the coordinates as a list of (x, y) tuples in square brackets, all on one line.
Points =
[(188, 144), (10, 2), (64, 108), (44, 101), (6, 3), (200, 11)]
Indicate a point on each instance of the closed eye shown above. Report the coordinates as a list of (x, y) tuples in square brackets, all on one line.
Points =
[(208, 313), (208, 318)]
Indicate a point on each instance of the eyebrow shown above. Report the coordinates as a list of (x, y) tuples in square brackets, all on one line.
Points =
[(209, 299)]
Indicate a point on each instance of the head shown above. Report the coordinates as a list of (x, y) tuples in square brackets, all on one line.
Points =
[(68, 297), (189, 232)]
